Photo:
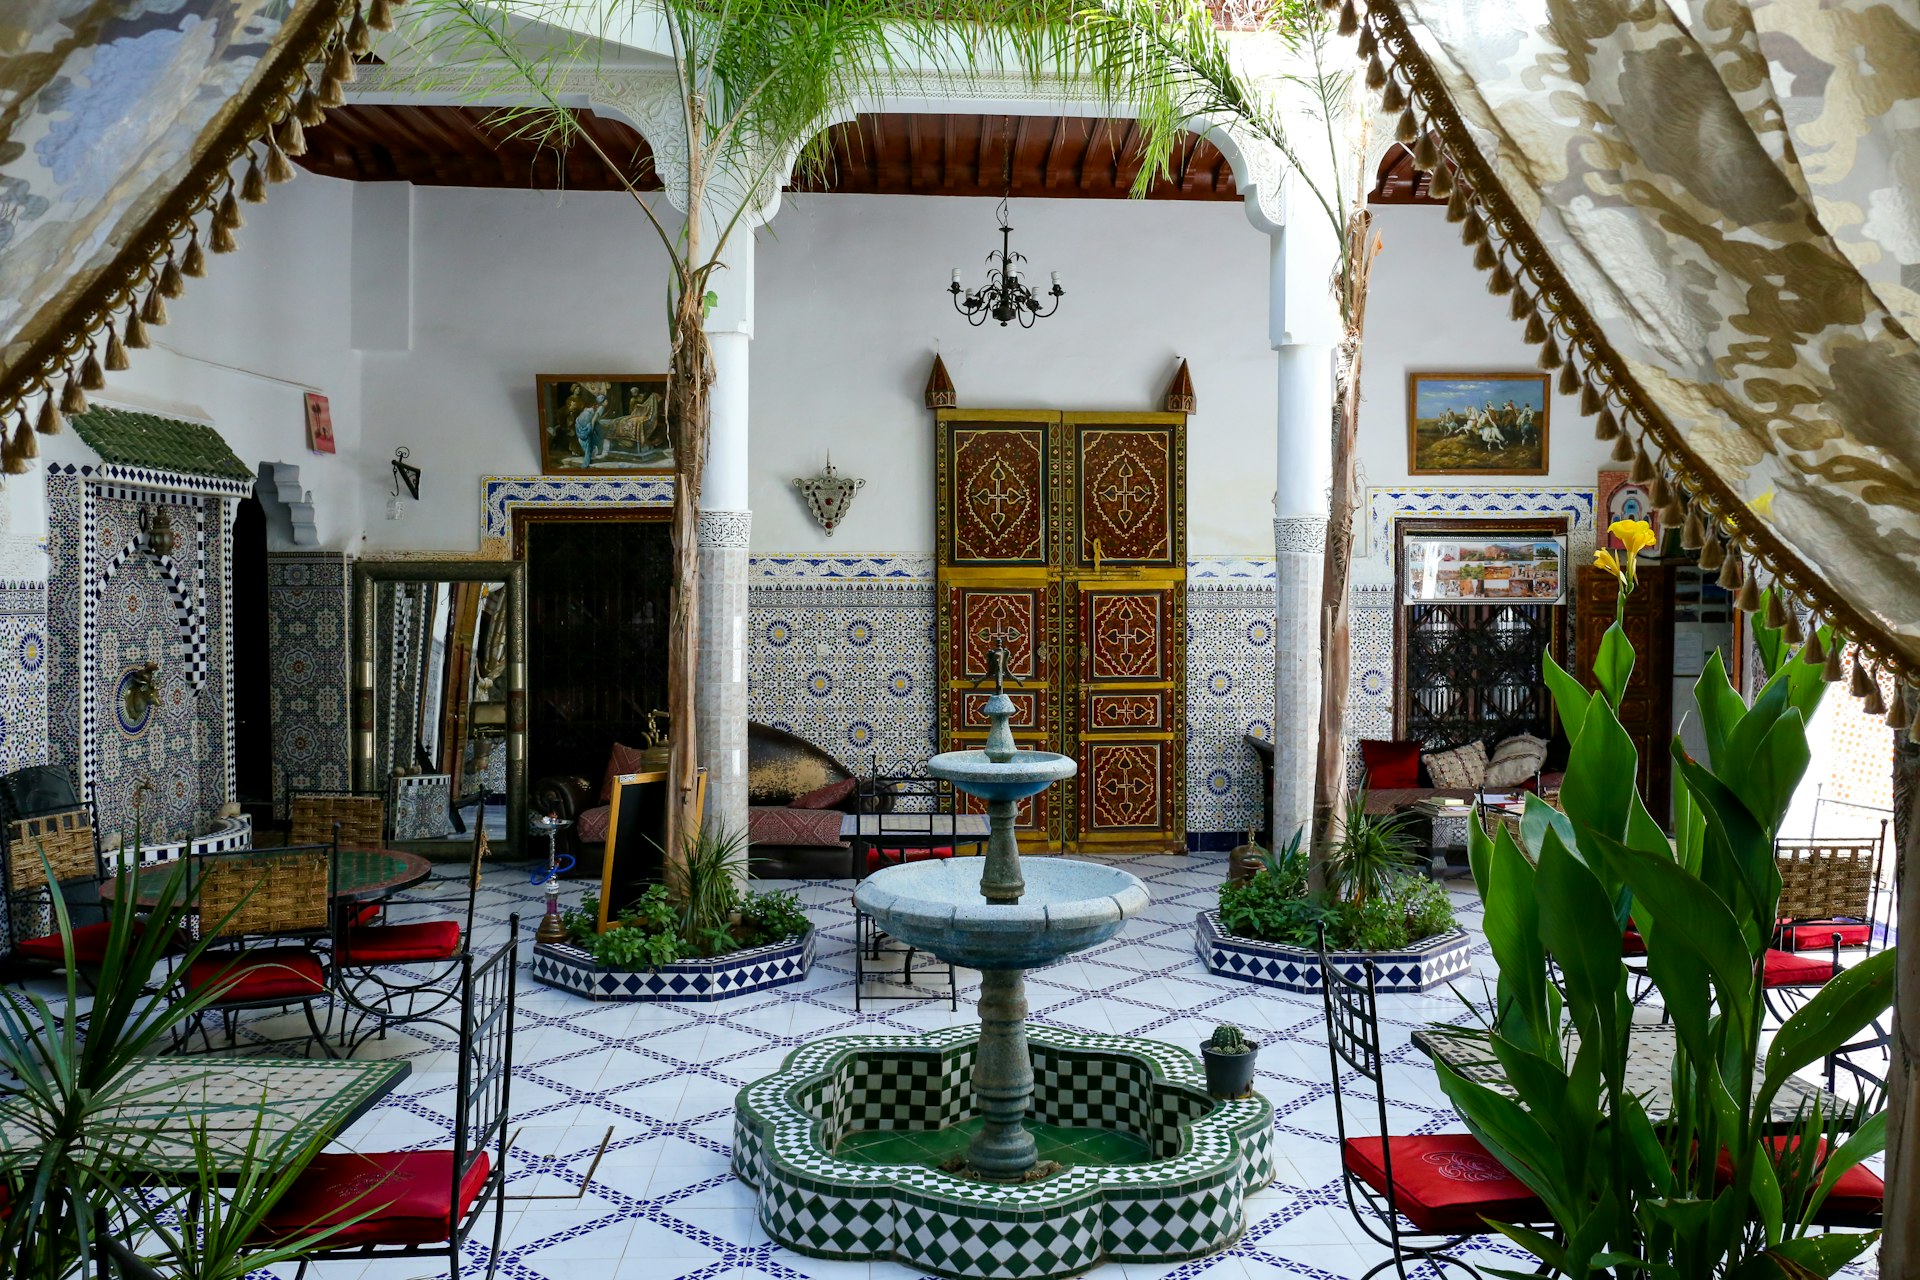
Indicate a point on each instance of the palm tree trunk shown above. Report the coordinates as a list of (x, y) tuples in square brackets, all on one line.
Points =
[(690, 374), (1900, 1248)]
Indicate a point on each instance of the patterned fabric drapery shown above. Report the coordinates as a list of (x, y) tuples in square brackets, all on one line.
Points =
[(120, 120), (1717, 203)]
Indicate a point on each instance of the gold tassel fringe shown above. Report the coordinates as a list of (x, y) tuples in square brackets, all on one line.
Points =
[(1457, 207), (253, 187), (1499, 280), (380, 15), (72, 399), (1549, 357), (1376, 74), (49, 425), (1747, 599), (1874, 704), (1536, 331), (307, 110), (290, 135), (359, 39), (1426, 154), (1406, 129), (1777, 612), (155, 310), (1862, 680), (1814, 654), (1349, 19), (170, 284), (1794, 632), (279, 168), (116, 353), (1713, 552), (1522, 306), (194, 261), (1662, 493), (91, 377), (1693, 534), (1590, 401), (1732, 570), (1440, 181), (136, 331), (1643, 469), (1484, 258), (1623, 448), (1570, 380), (1832, 670)]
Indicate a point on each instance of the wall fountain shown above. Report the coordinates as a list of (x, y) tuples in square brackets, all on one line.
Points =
[(1001, 1150)]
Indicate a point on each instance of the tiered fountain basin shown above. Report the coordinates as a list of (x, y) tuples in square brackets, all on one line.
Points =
[(1421, 966), (844, 1145)]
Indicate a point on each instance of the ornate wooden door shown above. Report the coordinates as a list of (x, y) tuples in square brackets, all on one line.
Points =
[(1063, 536)]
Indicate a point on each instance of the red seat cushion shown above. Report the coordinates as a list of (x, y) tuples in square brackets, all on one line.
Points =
[(1444, 1183), (1787, 969), (365, 913), (878, 858), (1809, 936), (407, 1195), (272, 973), (89, 946), (591, 825), (1859, 1192), (622, 759), (1391, 764), (1632, 944), (402, 943)]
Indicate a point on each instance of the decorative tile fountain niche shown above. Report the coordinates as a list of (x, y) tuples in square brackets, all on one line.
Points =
[(1001, 1151)]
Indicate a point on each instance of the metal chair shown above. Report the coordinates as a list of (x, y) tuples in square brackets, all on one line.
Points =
[(900, 819), (67, 845), (362, 952), (1443, 1184), (424, 1204), (279, 897)]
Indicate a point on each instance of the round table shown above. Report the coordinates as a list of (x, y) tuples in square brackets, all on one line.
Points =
[(365, 875)]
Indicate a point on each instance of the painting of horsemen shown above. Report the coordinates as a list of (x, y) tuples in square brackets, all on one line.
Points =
[(603, 424), (1477, 424)]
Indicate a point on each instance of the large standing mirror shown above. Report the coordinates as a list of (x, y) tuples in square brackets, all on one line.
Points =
[(439, 721)]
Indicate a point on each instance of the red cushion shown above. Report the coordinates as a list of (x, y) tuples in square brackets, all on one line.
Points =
[(1444, 1183), (89, 946), (1632, 944), (402, 943), (365, 913), (1819, 934), (1391, 764), (624, 759), (271, 973), (591, 826), (407, 1195), (877, 858), (1859, 1191), (831, 796), (1787, 969)]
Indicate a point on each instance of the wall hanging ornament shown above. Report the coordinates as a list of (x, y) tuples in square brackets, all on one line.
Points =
[(828, 495)]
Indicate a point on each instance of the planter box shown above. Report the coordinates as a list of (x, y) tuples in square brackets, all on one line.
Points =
[(1420, 967), (563, 965)]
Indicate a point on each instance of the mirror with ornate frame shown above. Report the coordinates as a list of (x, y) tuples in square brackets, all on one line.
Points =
[(439, 694)]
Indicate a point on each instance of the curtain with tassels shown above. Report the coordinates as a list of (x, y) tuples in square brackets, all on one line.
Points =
[(131, 131), (1708, 214)]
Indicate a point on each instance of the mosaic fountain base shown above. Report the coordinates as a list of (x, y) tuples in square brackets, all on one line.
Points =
[(843, 1146)]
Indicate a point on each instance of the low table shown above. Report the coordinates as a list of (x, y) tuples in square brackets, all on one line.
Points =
[(291, 1100), (1446, 827), (1650, 1054), (910, 831)]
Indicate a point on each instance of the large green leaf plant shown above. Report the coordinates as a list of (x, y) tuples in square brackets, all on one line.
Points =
[(1631, 1193)]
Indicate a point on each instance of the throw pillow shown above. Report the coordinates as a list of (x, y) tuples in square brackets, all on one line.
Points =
[(831, 796), (1463, 768), (1516, 760), (623, 759), (1391, 765)]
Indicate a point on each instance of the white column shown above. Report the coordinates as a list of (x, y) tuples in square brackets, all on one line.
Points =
[(720, 701), (1302, 325)]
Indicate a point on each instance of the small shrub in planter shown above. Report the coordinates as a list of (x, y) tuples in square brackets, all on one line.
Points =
[(1230, 1058)]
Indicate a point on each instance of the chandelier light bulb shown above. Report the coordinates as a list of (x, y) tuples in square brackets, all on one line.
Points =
[(1005, 296)]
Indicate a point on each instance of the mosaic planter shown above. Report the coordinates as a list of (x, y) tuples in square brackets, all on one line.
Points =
[(1183, 1198), (563, 965), (1420, 967)]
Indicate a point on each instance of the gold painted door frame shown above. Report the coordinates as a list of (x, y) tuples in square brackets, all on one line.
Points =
[(1064, 534)]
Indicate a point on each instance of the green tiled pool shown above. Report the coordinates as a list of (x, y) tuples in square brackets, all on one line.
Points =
[(1071, 1147)]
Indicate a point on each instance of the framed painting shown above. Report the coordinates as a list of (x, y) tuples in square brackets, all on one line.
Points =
[(1464, 569), (319, 424), (1477, 424), (603, 423)]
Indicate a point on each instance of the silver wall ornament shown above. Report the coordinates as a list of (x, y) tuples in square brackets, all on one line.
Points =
[(828, 495)]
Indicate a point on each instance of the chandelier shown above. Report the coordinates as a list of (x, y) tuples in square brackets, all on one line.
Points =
[(1005, 296)]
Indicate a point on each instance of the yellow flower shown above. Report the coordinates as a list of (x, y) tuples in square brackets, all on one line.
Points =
[(1604, 559), (1635, 536)]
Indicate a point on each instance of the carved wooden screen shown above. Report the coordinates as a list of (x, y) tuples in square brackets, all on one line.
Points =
[(1064, 536), (1646, 707)]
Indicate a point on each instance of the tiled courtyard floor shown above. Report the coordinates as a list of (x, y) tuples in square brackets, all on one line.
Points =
[(664, 1204)]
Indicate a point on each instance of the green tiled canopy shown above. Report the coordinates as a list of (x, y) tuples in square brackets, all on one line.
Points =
[(132, 439)]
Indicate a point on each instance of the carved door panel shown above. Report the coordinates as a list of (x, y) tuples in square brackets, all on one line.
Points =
[(1646, 707), (1063, 537), (1125, 608)]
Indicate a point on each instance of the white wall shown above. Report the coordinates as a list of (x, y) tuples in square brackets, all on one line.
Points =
[(267, 324), (1428, 309), (851, 302)]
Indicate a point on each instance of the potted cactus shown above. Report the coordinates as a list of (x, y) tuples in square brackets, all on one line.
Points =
[(1229, 1056)]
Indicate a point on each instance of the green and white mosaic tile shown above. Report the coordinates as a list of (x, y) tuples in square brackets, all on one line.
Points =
[(1187, 1200)]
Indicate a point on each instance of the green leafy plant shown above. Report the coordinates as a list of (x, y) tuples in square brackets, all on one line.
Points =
[(771, 917), (705, 882), (1375, 900), (1271, 907), (630, 947), (1373, 852), (1628, 1195), (88, 1189), (1227, 1038)]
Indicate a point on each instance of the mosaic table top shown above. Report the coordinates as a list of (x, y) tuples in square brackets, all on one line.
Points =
[(290, 1100), (1650, 1054), (365, 874)]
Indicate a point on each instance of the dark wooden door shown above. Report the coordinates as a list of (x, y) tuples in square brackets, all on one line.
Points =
[(1646, 708), (1063, 537), (598, 593)]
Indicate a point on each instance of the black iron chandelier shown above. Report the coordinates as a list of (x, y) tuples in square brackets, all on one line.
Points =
[(1005, 296)]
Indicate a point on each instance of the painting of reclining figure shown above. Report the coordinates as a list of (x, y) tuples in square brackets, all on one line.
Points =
[(609, 424), (1477, 424)]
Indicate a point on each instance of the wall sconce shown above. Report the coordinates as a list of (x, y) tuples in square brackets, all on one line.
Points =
[(157, 527), (404, 474)]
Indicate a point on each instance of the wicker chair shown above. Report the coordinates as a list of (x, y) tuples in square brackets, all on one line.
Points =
[(1829, 891), (360, 816), (67, 844), (280, 897)]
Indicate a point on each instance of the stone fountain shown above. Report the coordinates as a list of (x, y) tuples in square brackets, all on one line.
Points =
[(847, 1146)]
